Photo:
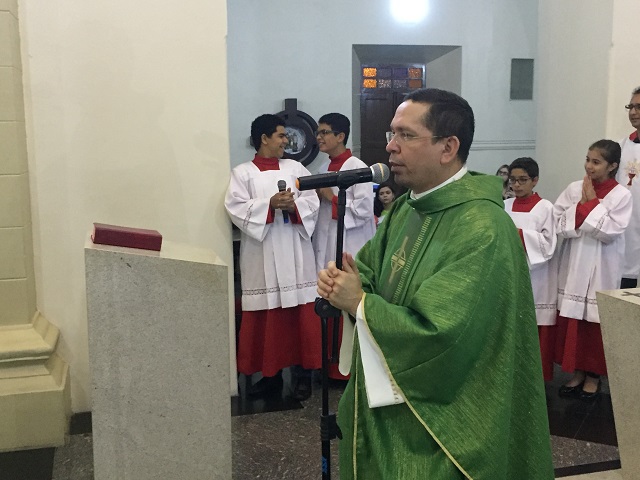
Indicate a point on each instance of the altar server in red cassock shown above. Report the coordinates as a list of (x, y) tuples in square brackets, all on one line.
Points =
[(279, 327), (533, 217), (591, 215), (359, 222)]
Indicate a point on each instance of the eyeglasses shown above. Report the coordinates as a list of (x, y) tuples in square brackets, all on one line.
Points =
[(322, 133), (633, 106), (404, 137), (519, 180)]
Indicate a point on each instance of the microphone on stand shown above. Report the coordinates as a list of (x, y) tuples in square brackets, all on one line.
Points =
[(377, 173), (282, 186)]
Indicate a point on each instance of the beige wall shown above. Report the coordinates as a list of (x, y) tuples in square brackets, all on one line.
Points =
[(585, 70), (126, 115), (17, 286)]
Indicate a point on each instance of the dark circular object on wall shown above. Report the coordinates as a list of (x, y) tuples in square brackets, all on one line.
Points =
[(300, 133)]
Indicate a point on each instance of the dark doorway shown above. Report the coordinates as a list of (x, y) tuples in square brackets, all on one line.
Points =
[(376, 112)]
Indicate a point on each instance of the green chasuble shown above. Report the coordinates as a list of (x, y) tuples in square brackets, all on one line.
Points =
[(448, 303)]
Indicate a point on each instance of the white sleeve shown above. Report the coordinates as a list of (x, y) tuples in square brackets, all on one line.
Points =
[(540, 243), (380, 387), (307, 205), (564, 213), (248, 214), (359, 208), (609, 218)]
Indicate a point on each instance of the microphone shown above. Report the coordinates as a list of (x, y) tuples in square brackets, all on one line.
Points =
[(377, 173), (282, 186)]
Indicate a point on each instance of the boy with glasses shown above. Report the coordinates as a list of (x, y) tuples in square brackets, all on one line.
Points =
[(533, 217), (359, 222), (627, 175)]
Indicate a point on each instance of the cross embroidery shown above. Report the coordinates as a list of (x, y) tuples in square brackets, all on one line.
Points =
[(398, 259)]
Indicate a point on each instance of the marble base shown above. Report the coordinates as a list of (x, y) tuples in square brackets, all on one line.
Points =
[(159, 356), (35, 400), (620, 322)]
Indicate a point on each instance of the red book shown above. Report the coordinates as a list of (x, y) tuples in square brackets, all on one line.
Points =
[(126, 237)]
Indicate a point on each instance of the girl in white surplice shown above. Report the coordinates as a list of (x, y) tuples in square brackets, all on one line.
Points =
[(591, 216)]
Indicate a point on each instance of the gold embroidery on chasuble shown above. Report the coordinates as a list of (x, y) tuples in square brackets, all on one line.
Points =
[(400, 260)]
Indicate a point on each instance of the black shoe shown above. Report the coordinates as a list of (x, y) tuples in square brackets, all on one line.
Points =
[(570, 392), (589, 396), (303, 389), (266, 386)]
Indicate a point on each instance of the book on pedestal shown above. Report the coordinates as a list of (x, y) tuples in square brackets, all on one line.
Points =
[(126, 237)]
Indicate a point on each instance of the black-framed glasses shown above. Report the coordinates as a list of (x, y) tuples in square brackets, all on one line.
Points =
[(322, 133), (404, 137), (633, 106), (518, 180)]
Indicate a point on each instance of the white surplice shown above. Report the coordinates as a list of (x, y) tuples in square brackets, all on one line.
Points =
[(276, 259), (629, 176), (590, 257), (359, 221), (539, 233)]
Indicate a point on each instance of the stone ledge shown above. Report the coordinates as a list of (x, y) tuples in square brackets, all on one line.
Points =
[(28, 342)]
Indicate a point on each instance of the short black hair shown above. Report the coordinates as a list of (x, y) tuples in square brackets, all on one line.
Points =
[(448, 115), (527, 164), (635, 91), (610, 151), (266, 124), (338, 123)]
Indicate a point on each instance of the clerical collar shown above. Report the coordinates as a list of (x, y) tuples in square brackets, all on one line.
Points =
[(338, 160), (634, 137), (533, 198), (604, 187), (264, 163), (457, 176)]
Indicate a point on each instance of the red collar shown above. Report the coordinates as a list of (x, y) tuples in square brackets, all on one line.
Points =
[(338, 161), (264, 163), (525, 205), (603, 188), (634, 137)]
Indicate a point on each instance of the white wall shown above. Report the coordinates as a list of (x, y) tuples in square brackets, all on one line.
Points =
[(624, 67), (126, 113), (285, 48), (586, 71)]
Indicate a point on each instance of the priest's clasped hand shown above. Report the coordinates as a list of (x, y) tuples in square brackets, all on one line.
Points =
[(342, 288)]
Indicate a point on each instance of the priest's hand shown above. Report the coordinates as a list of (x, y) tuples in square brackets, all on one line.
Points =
[(283, 201), (342, 288)]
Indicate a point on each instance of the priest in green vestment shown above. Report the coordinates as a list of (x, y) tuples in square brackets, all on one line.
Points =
[(446, 379)]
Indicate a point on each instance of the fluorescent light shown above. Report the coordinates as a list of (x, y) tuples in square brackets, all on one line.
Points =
[(409, 11)]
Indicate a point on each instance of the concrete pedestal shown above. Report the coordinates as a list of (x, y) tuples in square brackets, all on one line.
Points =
[(159, 355), (620, 322)]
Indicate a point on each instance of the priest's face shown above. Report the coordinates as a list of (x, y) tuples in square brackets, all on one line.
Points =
[(416, 154), (274, 145), (634, 114)]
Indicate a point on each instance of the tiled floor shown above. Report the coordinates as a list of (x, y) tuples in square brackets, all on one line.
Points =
[(279, 438)]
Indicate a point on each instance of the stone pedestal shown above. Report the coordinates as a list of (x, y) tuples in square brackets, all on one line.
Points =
[(620, 322), (159, 356)]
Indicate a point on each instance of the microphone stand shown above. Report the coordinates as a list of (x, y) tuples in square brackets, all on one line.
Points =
[(328, 425)]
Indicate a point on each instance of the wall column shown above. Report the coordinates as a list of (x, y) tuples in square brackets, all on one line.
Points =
[(34, 391)]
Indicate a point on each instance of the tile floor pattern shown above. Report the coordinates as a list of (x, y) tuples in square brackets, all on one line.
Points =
[(278, 439)]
